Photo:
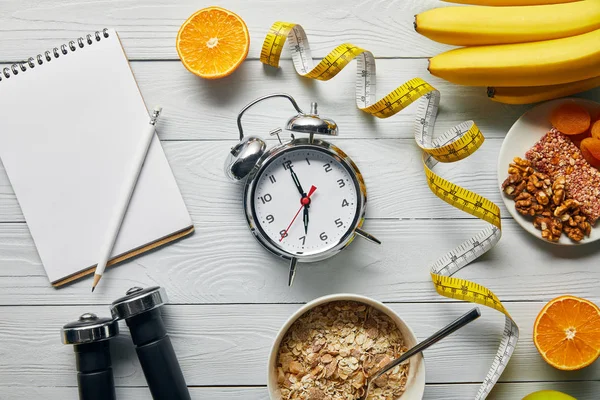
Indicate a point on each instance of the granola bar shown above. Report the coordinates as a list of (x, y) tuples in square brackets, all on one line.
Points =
[(331, 350), (556, 155)]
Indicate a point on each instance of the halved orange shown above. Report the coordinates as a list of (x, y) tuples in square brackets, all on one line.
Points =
[(567, 333), (213, 42)]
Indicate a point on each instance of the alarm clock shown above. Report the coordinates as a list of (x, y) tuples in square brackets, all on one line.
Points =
[(304, 198)]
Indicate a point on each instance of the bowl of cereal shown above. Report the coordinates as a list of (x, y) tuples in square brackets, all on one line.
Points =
[(332, 345)]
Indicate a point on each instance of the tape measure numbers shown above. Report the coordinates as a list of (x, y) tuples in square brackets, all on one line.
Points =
[(454, 145)]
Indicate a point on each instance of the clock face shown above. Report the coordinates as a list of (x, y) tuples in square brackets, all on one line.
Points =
[(332, 208)]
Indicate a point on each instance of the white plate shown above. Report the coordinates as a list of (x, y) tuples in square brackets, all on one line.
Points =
[(528, 129)]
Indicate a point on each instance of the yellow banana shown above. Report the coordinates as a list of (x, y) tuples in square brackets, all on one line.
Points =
[(509, 2), (549, 62), (473, 26), (534, 94)]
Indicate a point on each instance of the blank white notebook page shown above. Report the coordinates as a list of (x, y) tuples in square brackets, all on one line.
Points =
[(68, 129)]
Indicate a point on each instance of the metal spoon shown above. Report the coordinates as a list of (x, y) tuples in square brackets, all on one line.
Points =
[(436, 337)]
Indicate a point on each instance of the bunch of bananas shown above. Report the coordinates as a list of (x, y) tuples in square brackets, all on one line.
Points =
[(525, 51)]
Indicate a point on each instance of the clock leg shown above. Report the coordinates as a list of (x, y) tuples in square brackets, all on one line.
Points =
[(366, 235), (292, 271)]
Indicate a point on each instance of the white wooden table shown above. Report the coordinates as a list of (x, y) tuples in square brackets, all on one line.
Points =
[(228, 295)]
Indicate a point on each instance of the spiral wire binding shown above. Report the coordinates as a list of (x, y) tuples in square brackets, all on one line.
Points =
[(56, 52)]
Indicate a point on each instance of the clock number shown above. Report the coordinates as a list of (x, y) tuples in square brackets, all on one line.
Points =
[(287, 165), (327, 167), (308, 162), (303, 238), (339, 223), (266, 198), (272, 178), (323, 236), (283, 234), (341, 183), (345, 203), (270, 218)]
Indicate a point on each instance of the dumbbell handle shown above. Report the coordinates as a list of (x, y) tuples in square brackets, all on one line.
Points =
[(157, 357), (97, 385), (162, 371), (95, 375)]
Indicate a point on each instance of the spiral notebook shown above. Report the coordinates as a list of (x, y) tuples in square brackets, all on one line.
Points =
[(70, 118)]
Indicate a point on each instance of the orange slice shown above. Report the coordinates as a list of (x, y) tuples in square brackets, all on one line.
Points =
[(213, 42), (567, 333)]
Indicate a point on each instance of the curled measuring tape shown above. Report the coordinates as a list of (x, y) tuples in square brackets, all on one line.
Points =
[(454, 145)]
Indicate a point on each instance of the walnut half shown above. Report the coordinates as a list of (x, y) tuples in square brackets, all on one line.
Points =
[(537, 196), (526, 204), (558, 190), (551, 227)]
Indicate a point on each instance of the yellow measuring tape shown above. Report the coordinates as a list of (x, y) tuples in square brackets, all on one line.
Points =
[(454, 145)]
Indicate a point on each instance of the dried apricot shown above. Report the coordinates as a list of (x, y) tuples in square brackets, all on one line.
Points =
[(576, 139), (596, 130), (590, 149), (571, 119)]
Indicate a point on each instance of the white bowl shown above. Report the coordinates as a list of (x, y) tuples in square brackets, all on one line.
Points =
[(415, 385)]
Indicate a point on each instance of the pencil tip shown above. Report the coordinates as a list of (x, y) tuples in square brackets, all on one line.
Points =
[(96, 280)]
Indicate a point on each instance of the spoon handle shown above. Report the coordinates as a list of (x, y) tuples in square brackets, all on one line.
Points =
[(436, 337)]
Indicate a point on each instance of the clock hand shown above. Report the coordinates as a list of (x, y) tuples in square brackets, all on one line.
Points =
[(297, 183), (305, 201), (306, 219)]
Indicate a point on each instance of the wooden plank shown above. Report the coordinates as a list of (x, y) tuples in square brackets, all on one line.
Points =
[(196, 109), (201, 109), (392, 169), (224, 264), (210, 340), (193, 109), (184, 97), (149, 28), (586, 390)]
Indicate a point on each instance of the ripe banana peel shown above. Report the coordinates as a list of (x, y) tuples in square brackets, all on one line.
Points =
[(473, 26), (548, 62), (534, 94)]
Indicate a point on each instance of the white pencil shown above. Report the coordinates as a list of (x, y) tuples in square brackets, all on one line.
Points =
[(127, 190)]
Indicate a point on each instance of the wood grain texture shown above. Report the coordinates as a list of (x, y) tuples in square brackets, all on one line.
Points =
[(183, 95), (148, 29), (586, 390), (229, 345), (225, 264), (392, 169), (228, 295), (198, 109), (124, 257)]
